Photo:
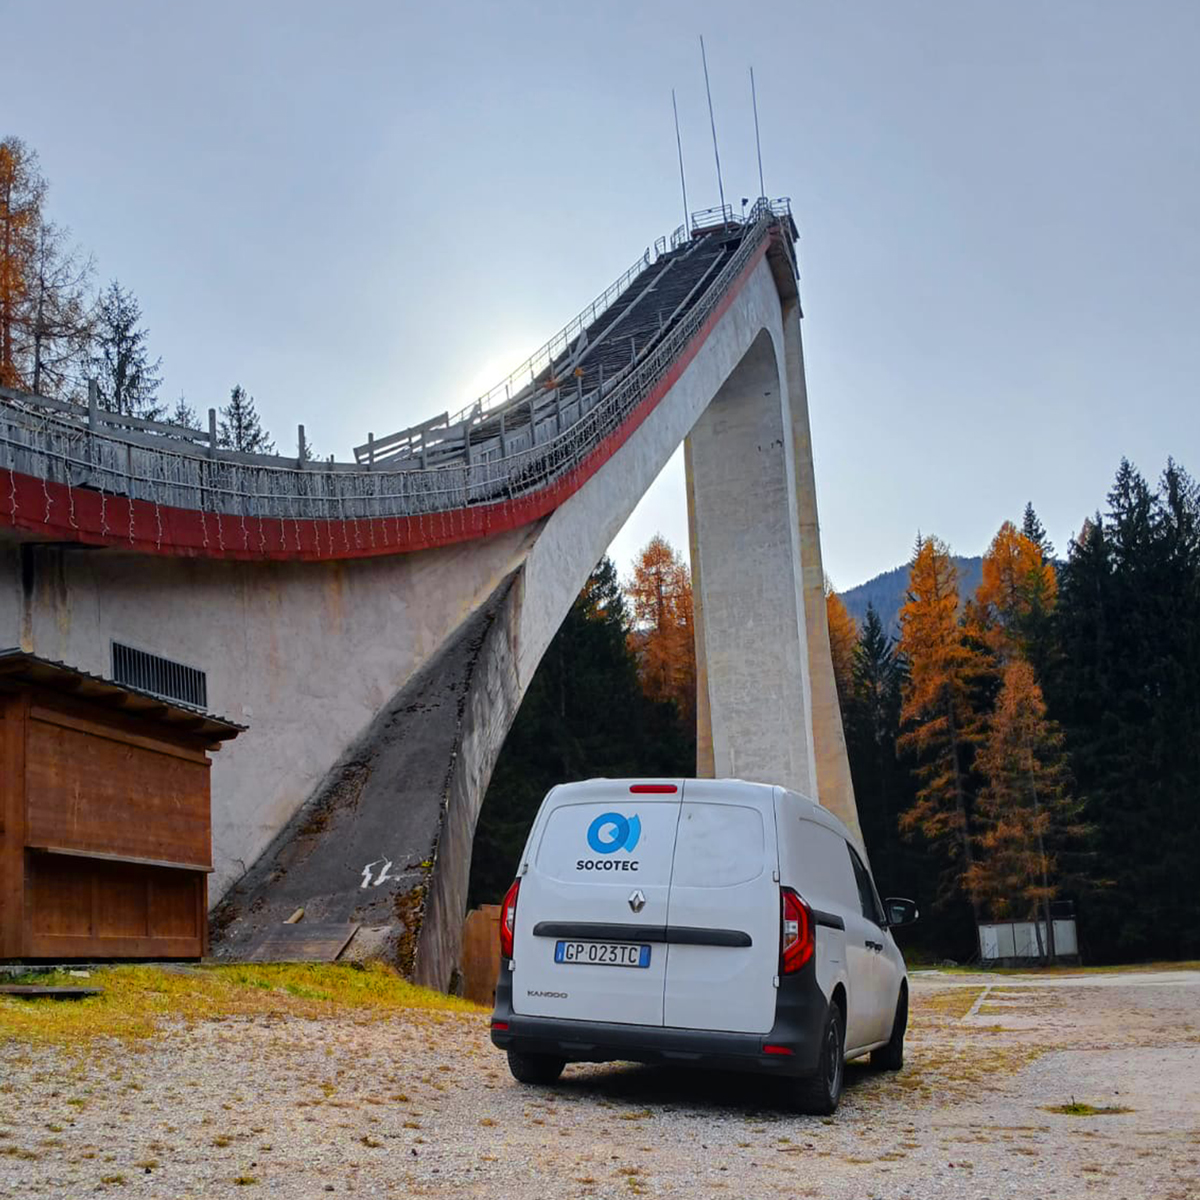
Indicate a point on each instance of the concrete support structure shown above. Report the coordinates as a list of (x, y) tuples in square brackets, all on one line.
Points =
[(767, 708), (378, 691)]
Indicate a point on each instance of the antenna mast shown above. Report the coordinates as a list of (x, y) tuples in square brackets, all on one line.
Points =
[(762, 189), (713, 123), (682, 179)]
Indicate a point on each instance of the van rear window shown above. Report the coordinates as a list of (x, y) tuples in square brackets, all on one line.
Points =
[(719, 845)]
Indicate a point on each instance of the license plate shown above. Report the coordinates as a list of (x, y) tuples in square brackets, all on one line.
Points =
[(602, 954)]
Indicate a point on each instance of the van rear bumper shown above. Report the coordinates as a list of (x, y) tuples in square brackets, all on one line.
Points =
[(800, 1014)]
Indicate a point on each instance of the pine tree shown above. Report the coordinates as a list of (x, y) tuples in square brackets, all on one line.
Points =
[(843, 638), (22, 191), (940, 711), (240, 428), (663, 636), (184, 414), (1024, 811), (1033, 529), (120, 361), (871, 719), (1124, 688)]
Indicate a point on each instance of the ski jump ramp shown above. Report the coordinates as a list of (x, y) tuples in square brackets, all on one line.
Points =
[(375, 623)]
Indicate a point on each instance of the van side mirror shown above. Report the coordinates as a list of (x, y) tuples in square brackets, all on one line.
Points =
[(900, 912)]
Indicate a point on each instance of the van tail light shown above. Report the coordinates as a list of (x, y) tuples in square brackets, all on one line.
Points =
[(797, 939), (508, 919)]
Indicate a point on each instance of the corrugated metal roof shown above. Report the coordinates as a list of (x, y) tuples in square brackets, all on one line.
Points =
[(23, 667)]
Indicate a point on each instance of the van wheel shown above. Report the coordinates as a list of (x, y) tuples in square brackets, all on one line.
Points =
[(819, 1094), (891, 1056), (535, 1068)]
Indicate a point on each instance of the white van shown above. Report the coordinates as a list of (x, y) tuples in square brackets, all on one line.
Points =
[(700, 922)]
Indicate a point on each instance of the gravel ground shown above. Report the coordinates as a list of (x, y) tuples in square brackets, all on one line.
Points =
[(422, 1105)]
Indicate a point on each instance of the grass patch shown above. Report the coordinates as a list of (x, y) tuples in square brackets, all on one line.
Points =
[(139, 1002), (952, 1003), (1078, 1109), (1033, 969)]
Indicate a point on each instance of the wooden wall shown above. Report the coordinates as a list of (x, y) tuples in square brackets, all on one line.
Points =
[(105, 834), (481, 954)]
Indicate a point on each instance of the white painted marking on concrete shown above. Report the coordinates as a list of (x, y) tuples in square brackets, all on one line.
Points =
[(384, 873), (367, 881), (974, 1010)]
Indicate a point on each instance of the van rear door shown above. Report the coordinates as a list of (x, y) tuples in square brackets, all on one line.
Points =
[(592, 909), (723, 914)]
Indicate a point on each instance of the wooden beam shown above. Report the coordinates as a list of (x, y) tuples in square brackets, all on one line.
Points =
[(122, 858), (33, 991), (14, 712)]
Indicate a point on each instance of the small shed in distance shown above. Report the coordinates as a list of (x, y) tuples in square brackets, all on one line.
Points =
[(105, 817)]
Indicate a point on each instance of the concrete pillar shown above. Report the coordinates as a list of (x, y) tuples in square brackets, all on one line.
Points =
[(705, 766), (751, 642), (834, 786)]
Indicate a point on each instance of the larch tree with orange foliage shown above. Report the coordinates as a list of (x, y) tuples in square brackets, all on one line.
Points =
[(45, 311), (843, 640), (1025, 809), (22, 190), (663, 635), (1016, 594), (941, 722)]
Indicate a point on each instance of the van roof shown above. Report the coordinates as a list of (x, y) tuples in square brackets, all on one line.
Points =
[(810, 809)]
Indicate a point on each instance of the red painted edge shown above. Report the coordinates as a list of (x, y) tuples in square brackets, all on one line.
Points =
[(64, 514)]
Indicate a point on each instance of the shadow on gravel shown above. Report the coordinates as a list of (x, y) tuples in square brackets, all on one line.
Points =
[(701, 1092)]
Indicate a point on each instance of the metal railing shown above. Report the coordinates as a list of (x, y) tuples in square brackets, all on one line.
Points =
[(99, 419), (558, 345), (49, 444)]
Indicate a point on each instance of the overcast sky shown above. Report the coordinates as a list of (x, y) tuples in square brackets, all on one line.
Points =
[(367, 212)]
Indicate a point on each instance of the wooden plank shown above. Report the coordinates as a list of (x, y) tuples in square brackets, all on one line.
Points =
[(172, 904), (106, 902), (114, 732), (206, 868), (36, 991), (62, 898), (481, 954), (201, 913), (92, 793), (13, 710), (305, 942), (401, 435), (58, 947)]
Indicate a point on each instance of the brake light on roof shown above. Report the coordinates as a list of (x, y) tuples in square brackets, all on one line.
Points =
[(796, 933), (653, 789), (508, 919)]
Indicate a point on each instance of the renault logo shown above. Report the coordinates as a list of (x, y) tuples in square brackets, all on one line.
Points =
[(637, 901)]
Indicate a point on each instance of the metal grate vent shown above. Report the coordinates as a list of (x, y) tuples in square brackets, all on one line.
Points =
[(159, 676)]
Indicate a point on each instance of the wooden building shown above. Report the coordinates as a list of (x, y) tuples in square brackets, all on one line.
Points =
[(105, 825)]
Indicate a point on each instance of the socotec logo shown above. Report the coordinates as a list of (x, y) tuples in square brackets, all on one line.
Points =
[(611, 831), (608, 833)]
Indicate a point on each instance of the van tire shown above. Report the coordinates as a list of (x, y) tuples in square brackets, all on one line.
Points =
[(891, 1056), (535, 1068), (819, 1094)]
